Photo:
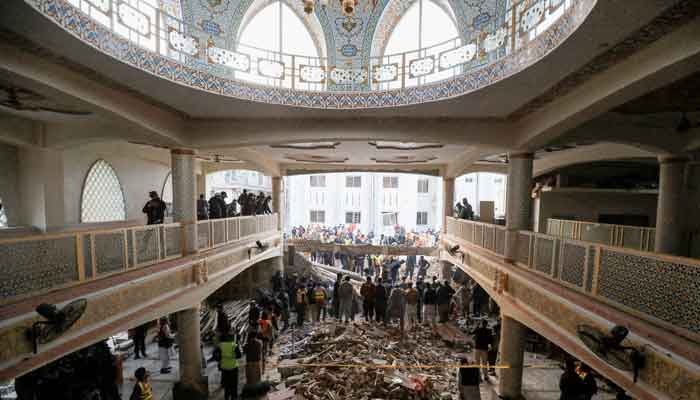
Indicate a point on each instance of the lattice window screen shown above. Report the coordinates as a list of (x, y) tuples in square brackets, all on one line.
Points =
[(103, 198)]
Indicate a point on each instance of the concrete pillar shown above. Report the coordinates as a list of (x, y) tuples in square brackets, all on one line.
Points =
[(512, 349), (185, 195), (518, 202), (671, 213), (277, 199), (448, 200), (193, 385)]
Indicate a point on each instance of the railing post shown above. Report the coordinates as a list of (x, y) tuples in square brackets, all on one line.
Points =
[(80, 256), (596, 271)]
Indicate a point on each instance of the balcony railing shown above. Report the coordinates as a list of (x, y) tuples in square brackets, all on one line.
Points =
[(38, 263), (207, 48), (662, 289), (631, 237)]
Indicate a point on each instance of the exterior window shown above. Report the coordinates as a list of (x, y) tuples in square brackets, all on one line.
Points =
[(422, 218), (167, 194), (318, 181), (390, 218), (353, 181), (352, 218), (498, 180), (422, 186), (3, 217), (391, 182), (103, 199), (318, 216)]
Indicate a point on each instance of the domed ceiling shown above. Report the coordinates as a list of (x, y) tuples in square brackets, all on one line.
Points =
[(198, 43)]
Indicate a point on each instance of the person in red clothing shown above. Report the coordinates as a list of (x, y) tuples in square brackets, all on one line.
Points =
[(266, 332)]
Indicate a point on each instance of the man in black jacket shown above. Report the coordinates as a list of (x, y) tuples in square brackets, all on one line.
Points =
[(444, 296), (154, 209), (468, 381), (483, 339), (380, 299)]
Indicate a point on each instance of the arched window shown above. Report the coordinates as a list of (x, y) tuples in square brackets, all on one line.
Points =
[(274, 33), (3, 217), (424, 25), (166, 194), (103, 198)]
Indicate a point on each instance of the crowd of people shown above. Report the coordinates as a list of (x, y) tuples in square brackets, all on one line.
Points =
[(245, 204), (351, 234)]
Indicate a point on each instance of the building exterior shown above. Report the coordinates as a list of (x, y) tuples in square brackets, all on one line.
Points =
[(234, 181), (374, 202)]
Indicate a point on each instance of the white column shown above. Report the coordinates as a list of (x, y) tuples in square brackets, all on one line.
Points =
[(512, 349), (278, 200), (448, 200), (671, 214), (185, 195), (518, 202), (192, 385)]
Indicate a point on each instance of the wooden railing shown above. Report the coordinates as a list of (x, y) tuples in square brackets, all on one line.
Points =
[(631, 237), (659, 288), (39, 263)]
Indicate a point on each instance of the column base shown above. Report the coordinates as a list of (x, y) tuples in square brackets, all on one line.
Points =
[(188, 391)]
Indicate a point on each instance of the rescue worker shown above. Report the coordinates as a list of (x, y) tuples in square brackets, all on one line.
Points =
[(320, 297), (142, 389), (411, 306), (227, 355)]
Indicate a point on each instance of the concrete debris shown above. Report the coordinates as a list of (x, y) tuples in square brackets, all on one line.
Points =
[(366, 362)]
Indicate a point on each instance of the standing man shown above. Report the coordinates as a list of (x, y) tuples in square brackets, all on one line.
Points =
[(468, 380), (444, 296), (227, 354), (397, 307), (380, 299), (202, 208), (243, 202), (429, 304), (483, 338), (140, 340), (410, 266), (420, 288), (300, 303), (367, 291), (346, 293), (154, 209), (411, 306), (320, 297), (253, 359), (215, 210), (165, 342)]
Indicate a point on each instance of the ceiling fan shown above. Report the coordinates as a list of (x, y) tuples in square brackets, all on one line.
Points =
[(15, 99), (219, 159)]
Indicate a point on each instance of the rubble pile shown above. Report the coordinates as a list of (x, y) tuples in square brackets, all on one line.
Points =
[(362, 361), (237, 313)]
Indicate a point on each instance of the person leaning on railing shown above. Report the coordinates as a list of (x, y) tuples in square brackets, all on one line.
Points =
[(154, 209)]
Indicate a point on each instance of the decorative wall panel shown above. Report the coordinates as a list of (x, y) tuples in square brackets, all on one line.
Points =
[(31, 266), (146, 242), (109, 252), (573, 263), (665, 290), (544, 251)]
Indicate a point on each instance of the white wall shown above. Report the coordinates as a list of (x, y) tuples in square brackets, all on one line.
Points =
[(9, 177), (588, 205), (140, 169)]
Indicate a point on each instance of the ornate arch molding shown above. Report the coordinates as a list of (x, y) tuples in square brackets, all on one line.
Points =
[(311, 22), (393, 13)]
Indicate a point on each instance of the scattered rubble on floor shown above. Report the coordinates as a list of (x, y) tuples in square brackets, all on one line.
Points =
[(363, 361), (237, 313)]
